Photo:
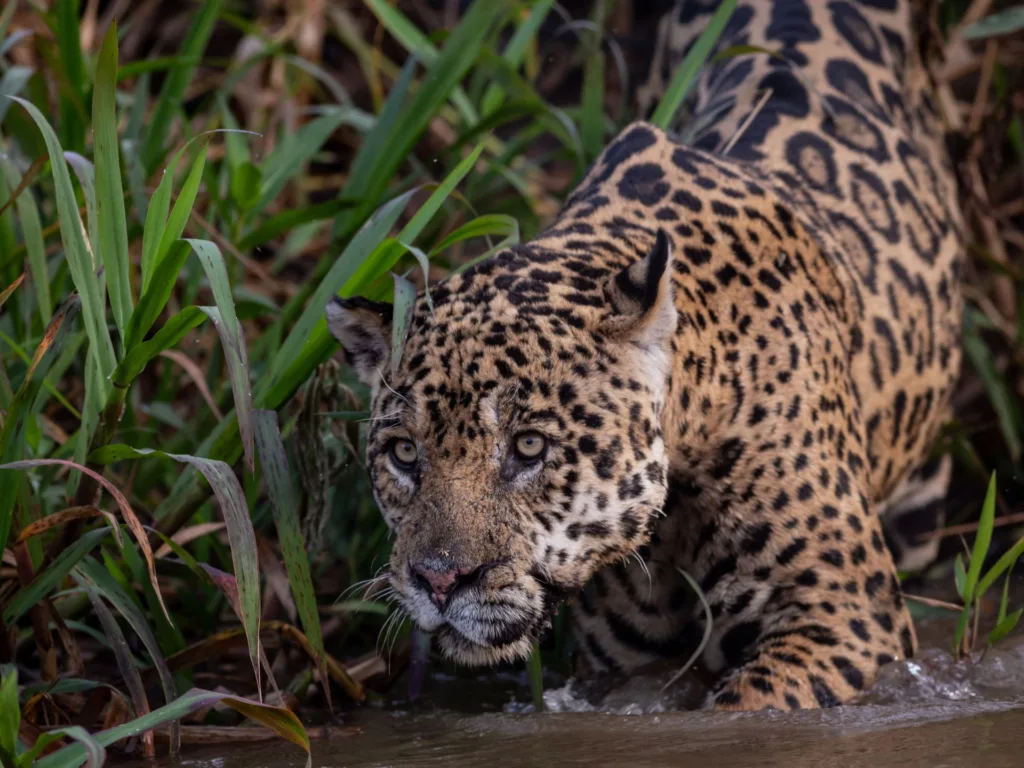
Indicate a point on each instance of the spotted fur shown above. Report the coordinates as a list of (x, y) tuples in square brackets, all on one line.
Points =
[(737, 354)]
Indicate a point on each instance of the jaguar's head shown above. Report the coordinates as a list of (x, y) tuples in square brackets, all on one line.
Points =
[(516, 447)]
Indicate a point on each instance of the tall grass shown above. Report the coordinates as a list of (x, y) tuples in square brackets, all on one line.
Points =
[(182, 499)]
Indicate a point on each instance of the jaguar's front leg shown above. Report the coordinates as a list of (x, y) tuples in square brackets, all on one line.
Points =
[(806, 600), (816, 646)]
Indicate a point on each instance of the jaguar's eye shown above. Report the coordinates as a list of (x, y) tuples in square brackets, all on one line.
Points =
[(530, 446), (404, 453)]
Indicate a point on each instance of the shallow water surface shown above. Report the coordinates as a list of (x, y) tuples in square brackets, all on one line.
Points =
[(979, 733), (927, 711)]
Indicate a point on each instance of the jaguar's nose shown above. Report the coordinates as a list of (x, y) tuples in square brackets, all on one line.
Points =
[(441, 577)]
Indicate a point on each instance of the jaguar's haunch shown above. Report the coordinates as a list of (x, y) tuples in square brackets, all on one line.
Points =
[(730, 357)]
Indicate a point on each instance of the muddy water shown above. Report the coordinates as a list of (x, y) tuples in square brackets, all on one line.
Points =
[(928, 711), (985, 734)]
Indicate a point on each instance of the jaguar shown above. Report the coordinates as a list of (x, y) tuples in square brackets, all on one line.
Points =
[(726, 360)]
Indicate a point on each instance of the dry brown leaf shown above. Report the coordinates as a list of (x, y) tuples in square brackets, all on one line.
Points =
[(188, 535), (66, 516)]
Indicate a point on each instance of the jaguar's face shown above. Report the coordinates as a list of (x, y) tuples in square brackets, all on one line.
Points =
[(512, 455)]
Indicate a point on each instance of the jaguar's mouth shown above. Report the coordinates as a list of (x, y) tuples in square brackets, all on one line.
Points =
[(486, 631)]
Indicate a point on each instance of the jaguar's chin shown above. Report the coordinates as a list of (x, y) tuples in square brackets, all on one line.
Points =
[(460, 649)]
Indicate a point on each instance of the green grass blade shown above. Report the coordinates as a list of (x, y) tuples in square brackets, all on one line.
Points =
[(387, 254), (284, 501), (482, 226), (280, 720), (309, 344), (182, 208), (157, 233), (156, 222), (513, 54), (375, 165), (148, 66), (46, 581), (1005, 627), (685, 77), (172, 332), (982, 540), (405, 302), (64, 685), (290, 158), (10, 714), (6, 15), (424, 262), (303, 338), (241, 536), (49, 737), (92, 406), (6, 43), (443, 76), (238, 373), (156, 295), (11, 83), (131, 142), (1003, 564), (94, 574), (439, 196), (233, 339), (87, 749), (72, 117), (1004, 601), (522, 101), (416, 43), (374, 146), (122, 651), (293, 218), (169, 637), (127, 513), (245, 178), (235, 150), (959, 575), (16, 420), (173, 91), (32, 232), (79, 262), (9, 268), (1004, 22), (113, 226), (86, 175)]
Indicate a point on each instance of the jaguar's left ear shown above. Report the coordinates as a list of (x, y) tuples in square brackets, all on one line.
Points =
[(363, 328), (641, 296)]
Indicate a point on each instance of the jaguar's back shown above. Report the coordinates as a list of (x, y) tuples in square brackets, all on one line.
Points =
[(844, 127)]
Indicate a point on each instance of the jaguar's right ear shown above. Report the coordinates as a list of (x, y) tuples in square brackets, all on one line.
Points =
[(363, 328), (641, 297)]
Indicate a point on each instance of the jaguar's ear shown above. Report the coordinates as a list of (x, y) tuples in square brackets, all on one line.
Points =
[(363, 328), (641, 297)]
